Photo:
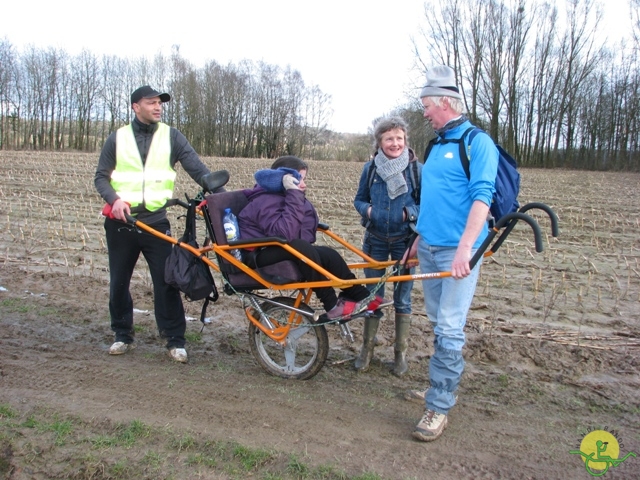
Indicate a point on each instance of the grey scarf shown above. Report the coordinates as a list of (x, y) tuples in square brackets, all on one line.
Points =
[(391, 172)]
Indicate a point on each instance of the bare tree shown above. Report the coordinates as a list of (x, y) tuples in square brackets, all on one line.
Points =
[(530, 82), (315, 112), (8, 117), (274, 112), (579, 56), (114, 94), (86, 88), (634, 7), (541, 83), (517, 65)]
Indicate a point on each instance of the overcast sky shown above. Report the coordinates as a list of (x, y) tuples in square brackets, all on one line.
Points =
[(357, 51)]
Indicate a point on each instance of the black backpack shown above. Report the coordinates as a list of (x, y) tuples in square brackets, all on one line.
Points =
[(505, 198), (187, 272)]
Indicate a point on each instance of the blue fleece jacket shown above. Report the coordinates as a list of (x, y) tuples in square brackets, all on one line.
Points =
[(447, 194)]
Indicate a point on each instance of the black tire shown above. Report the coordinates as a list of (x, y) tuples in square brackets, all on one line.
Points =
[(307, 346)]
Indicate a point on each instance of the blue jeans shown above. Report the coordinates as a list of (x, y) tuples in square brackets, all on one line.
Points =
[(447, 303), (382, 250)]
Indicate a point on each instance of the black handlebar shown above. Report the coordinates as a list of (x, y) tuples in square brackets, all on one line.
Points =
[(510, 219), (546, 208), (541, 206), (214, 181)]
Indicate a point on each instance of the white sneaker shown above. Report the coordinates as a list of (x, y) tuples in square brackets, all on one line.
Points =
[(430, 426), (179, 355), (118, 348)]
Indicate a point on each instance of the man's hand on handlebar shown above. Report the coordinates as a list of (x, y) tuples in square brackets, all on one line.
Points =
[(120, 209)]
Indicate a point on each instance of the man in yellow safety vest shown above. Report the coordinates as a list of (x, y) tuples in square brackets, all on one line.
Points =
[(137, 169)]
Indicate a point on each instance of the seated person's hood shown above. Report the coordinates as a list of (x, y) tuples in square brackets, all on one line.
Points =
[(271, 180)]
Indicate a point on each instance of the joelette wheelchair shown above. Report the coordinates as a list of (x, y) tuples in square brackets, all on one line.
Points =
[(288, 337)]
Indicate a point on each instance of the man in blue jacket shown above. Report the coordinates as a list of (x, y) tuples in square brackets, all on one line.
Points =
[(452, 224)]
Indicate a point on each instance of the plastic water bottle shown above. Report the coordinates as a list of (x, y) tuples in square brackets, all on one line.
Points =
[(232, 231)]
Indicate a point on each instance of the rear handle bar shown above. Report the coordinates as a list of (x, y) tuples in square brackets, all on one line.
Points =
[(511, 223), (511, 219)]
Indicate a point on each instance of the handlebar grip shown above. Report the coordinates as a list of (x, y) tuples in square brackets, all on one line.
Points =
[(547, 209), (509, 222)]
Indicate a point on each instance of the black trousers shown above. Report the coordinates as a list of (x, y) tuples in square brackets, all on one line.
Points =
[(125, 243), (324, 256)]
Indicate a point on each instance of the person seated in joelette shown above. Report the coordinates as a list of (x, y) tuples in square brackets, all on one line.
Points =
[(278, 207)]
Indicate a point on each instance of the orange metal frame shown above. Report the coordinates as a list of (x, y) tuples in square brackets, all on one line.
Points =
[(280, 332)]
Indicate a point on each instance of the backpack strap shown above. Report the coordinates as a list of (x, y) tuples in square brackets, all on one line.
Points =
[(430, 145), (415, 181), (441, 141), (190, 222), (370, 174), (471, 132)]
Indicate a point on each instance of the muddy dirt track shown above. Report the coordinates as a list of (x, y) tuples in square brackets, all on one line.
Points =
[(553, 342)]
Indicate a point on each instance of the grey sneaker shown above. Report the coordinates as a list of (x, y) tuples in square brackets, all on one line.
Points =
[(416, 396), (430, 426), (179, 355), (118, 348)]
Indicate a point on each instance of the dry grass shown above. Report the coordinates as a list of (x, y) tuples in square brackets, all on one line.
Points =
[(587, 278)]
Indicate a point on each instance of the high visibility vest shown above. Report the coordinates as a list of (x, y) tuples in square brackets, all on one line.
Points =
[(150, 183)]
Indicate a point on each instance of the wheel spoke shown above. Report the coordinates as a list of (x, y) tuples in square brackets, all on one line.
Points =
[(290, 354), (297, 332)]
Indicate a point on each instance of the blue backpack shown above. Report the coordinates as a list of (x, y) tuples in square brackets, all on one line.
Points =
[(505, 198)]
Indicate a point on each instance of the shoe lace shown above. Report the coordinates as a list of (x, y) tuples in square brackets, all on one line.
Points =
[(429, 417)]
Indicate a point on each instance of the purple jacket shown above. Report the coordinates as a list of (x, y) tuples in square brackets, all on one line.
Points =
[(288, 215)]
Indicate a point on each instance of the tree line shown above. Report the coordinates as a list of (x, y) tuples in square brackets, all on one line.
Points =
[(542, 82), (50, 100)]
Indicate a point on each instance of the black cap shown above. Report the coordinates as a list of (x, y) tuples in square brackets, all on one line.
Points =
[(148, 92)]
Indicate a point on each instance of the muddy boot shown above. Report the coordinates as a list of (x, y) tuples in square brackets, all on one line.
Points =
[(376, 341), (368, 342), (403, 323)]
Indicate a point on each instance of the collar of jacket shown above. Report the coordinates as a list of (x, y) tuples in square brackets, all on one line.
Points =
[(451, 125), (457, 131), (139, 127)]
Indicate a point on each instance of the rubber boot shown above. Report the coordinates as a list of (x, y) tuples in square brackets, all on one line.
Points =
[(378, 314), (370, 329), (403, 324)]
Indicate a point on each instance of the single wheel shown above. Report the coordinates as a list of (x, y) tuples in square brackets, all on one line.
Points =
[(304, 350)]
